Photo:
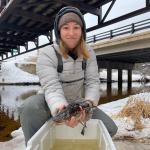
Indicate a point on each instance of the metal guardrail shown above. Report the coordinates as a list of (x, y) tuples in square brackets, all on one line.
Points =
[(131, 28)]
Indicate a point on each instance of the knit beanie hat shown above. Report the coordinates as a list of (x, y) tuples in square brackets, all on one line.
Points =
[(68, 17), (65, 15)]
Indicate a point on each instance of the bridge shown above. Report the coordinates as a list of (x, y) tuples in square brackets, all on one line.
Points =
[(122, 53), (131, 48), (24, 21)]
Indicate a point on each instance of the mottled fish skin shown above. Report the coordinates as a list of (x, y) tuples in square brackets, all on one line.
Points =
[(73, 109)]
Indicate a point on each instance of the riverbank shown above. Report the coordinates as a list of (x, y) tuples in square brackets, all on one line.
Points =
[(127, 136), (7, 125), (21, 83), (11, 74)]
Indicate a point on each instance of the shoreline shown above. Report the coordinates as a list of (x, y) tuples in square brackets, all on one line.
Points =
[(102, 80), (21, 83), (38, 83)]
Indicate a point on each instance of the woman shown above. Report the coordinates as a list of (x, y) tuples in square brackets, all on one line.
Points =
[(77, 79)]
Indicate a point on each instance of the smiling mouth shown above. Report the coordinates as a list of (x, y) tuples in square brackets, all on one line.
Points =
[(71, 38)]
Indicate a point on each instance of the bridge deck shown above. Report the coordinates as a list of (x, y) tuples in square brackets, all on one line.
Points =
[(133, 48)]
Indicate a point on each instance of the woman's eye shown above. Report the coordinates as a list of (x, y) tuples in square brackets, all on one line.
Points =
[(65, 27), (76, 27)]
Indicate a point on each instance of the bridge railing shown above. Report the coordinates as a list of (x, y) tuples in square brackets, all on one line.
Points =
[(131, 28)]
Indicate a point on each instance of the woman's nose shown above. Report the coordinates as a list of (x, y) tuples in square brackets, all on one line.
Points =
[(71, 32)]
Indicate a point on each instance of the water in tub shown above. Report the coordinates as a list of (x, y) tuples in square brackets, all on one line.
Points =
[(75, 145)]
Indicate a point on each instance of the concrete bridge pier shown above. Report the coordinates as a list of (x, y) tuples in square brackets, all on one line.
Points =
[(120, 81), (120, 66), (109, 80), (129, 80)]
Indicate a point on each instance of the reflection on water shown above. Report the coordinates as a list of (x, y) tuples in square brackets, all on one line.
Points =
[(10, 98), (13, 96), (7, 125), (108, 95)]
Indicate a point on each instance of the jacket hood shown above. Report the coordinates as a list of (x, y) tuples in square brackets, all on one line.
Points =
[(63, 11)]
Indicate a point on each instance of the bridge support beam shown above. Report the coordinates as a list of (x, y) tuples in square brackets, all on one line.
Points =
[(147, 3), (120, 66), (120, 81), (109, 80), (109, 75), (129, 80)]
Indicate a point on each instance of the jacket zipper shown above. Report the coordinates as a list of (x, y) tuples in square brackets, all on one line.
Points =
[(74, 67)]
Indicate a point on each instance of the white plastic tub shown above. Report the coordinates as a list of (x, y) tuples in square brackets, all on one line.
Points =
[(45, 138)]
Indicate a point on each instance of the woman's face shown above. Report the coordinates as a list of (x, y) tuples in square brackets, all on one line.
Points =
[(70, 34)]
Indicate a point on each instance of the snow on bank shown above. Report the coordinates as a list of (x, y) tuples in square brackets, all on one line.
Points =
[(125, 125), (12, 74), (17, 143)]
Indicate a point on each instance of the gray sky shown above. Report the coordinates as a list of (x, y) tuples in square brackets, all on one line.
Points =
[(121, 7)]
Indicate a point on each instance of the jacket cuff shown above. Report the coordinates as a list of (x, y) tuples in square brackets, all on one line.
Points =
[(56, 105)]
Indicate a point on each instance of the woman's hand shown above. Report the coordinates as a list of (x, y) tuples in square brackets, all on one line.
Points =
[(74, 120), (58, 110)]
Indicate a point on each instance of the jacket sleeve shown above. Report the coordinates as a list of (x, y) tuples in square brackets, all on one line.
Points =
[(92, 82), (47, 72)]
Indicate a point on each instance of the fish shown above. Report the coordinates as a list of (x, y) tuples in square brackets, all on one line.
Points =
[(74, 109)]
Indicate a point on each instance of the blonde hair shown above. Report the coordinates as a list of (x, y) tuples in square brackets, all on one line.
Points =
[(81, 49)]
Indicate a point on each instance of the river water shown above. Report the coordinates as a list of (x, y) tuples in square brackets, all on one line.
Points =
[(108, 95), (13, 96)]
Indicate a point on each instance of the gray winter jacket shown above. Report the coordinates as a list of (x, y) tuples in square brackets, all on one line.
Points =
[(62, 88)]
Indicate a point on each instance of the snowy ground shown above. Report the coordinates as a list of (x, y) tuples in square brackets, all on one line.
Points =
[(126, 125)]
